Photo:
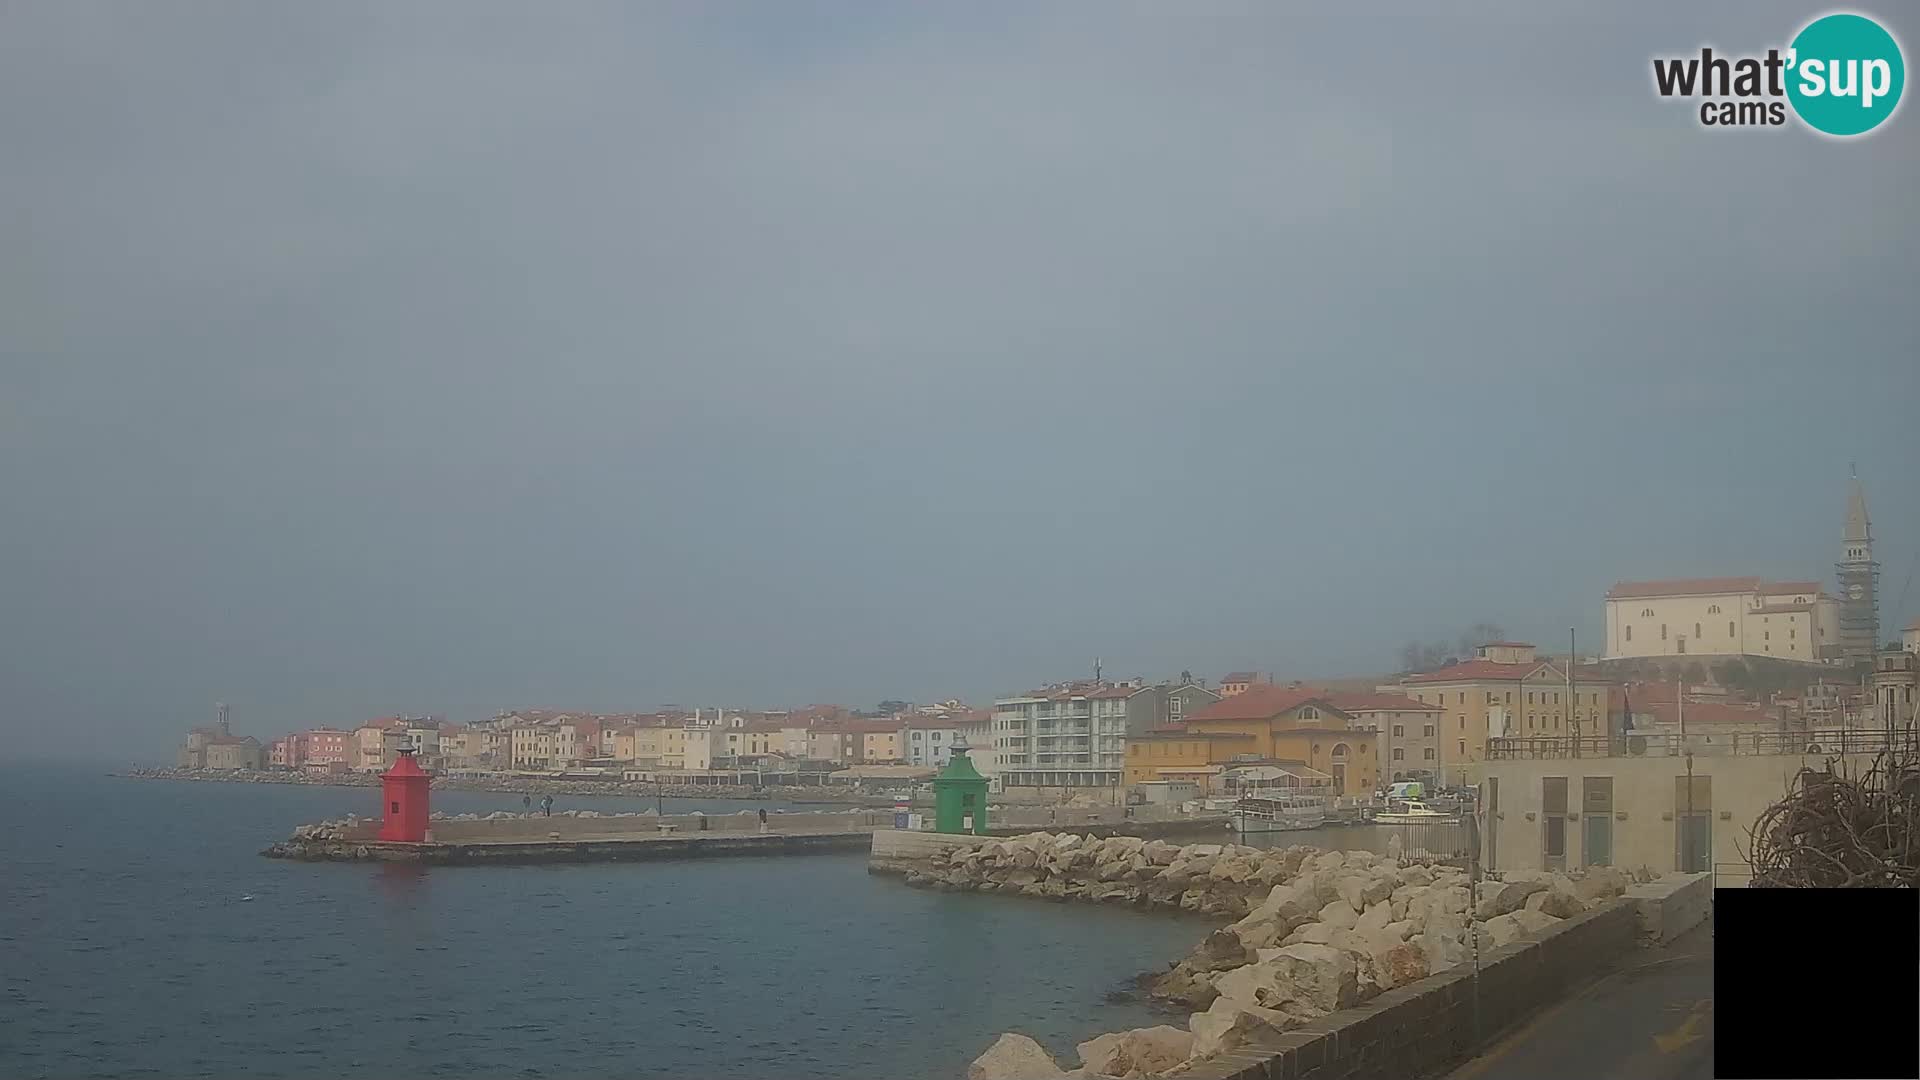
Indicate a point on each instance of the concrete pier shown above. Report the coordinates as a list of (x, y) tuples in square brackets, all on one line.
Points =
[(612, 848)]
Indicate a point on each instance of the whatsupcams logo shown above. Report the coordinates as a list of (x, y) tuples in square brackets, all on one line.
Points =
[(1841, 75)]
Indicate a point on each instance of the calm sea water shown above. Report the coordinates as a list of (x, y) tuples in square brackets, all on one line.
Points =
[(126, 950)]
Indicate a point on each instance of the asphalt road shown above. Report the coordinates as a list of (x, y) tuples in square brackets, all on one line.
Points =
[(1650, 1018)]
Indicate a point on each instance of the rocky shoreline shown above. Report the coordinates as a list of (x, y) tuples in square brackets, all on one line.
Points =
[(1315, 932), (597, 788)]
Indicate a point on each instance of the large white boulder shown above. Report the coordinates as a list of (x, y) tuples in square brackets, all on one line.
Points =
[(1228, 1025), (1137, 1053), (1557, 902), (1501, 897), (1340, 915), (1321, 975), (1014, 1057)]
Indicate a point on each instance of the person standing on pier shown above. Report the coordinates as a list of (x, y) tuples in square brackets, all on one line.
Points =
[(527, 801), (546, 805)]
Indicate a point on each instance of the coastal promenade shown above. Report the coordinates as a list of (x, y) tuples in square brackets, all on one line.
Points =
[(508, 839)]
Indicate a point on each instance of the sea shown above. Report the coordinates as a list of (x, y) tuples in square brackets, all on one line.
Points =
[(143, 935)]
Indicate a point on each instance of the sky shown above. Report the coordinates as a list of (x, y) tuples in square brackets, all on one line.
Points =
[(446, 357)]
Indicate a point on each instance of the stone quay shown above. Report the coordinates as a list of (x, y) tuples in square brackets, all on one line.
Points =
[(1350, 961)]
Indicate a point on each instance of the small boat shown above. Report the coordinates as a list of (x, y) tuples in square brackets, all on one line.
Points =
[(1413, 812), (1278, 813)]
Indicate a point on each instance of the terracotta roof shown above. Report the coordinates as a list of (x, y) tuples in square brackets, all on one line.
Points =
[(1684, 587), (1478, 671), (1178, 731), (1774, 588), (1259, 702), (1705, 713), (1352, 702)]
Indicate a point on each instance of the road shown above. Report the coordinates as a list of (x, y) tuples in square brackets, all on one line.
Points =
[(1650, 1018)]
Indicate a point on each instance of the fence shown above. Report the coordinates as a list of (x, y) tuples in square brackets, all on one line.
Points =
[(1448, 841), (1830, 742)]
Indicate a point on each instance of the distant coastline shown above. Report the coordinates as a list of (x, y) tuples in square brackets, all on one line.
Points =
[(609, 788)]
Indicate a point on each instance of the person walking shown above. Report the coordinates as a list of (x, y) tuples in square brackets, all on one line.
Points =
[(546, 805), (527, 801)]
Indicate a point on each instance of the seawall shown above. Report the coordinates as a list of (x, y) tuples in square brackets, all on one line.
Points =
[(606, 849)]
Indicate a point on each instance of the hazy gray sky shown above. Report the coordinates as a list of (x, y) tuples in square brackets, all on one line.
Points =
[(442, 357)]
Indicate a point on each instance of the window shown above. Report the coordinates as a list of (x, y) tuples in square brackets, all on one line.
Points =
[(1429, 731), (1529, 697), (1463, 698), (1729, 627), (1399, 754), (1429, 753), (1490, 697), (916, 736), (1663, 631), (1399, 730), (1696, 630), (1792, 634), (1629, 633), (1309, 713), (1463, 748), (1713, 609), (1766, 635), (393, 808), (1646, 613)]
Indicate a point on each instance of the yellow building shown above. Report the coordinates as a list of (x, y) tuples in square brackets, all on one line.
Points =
[(1178, 754), (1291, 724), (1509, 690), (880, 746)]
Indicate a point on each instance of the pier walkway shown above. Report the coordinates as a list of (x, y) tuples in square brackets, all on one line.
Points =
[(1648, 1018)]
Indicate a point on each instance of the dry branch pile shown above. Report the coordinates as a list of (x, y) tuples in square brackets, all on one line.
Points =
[(1835, 829)]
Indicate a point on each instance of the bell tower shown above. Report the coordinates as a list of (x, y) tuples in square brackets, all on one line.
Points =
[(1859, 578)]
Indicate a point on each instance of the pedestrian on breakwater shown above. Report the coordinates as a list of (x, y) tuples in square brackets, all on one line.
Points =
[(527, 801), (546, 805)]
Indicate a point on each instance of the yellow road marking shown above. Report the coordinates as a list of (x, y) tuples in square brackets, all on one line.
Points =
[(1688, 1032)]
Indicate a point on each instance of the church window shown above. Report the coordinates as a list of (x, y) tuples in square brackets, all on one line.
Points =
[(1729, 627), (1696, 630), (1663, 631), (1646, 613), (1629, 633), (1714, 609)]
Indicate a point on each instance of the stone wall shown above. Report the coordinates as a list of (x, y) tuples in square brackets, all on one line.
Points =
[(1671, 905), (697, 845), (1318, 932), (501, 826), (1428, 1025)]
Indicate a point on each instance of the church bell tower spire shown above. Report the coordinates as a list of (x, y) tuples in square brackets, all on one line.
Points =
[(1859, 577)]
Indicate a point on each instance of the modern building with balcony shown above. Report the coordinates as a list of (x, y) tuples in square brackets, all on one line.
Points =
[(1072, 735)]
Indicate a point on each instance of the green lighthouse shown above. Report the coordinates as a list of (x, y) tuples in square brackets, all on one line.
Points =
[(960, 796)]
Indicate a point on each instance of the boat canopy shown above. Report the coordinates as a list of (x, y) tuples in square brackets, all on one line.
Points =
[(1407, 789)]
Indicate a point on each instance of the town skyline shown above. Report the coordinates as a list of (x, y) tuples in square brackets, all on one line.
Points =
[(833, 370)]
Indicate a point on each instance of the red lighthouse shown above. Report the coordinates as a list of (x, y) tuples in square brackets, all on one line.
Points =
[(404, 791)]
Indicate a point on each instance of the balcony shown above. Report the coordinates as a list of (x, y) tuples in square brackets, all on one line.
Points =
[(1834, 742)]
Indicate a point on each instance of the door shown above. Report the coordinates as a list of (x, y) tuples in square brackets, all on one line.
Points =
[(1596, 809), (1599, 840)]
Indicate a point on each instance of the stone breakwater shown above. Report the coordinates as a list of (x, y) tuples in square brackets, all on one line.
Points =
[(1316, 932), (634, 789)]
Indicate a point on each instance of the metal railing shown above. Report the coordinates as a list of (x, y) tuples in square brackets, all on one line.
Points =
[(1832, 742)]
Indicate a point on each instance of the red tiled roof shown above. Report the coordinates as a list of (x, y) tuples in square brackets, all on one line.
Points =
[(1705, 713), (1354, 702), (1772, 588), (1683, 587), (1179, 731), (1259, 702), (1478, 671)]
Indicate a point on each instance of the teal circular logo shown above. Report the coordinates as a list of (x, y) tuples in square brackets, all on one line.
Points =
[(1845, 74)]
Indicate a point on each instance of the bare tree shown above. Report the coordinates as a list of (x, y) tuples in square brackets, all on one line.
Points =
[(1480, 633)]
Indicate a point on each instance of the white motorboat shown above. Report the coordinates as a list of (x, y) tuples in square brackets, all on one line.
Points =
[(1413, 812), (1278, 813)]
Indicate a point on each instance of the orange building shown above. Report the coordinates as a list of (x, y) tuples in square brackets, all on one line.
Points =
[(1174, 753), (1289, 724)]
